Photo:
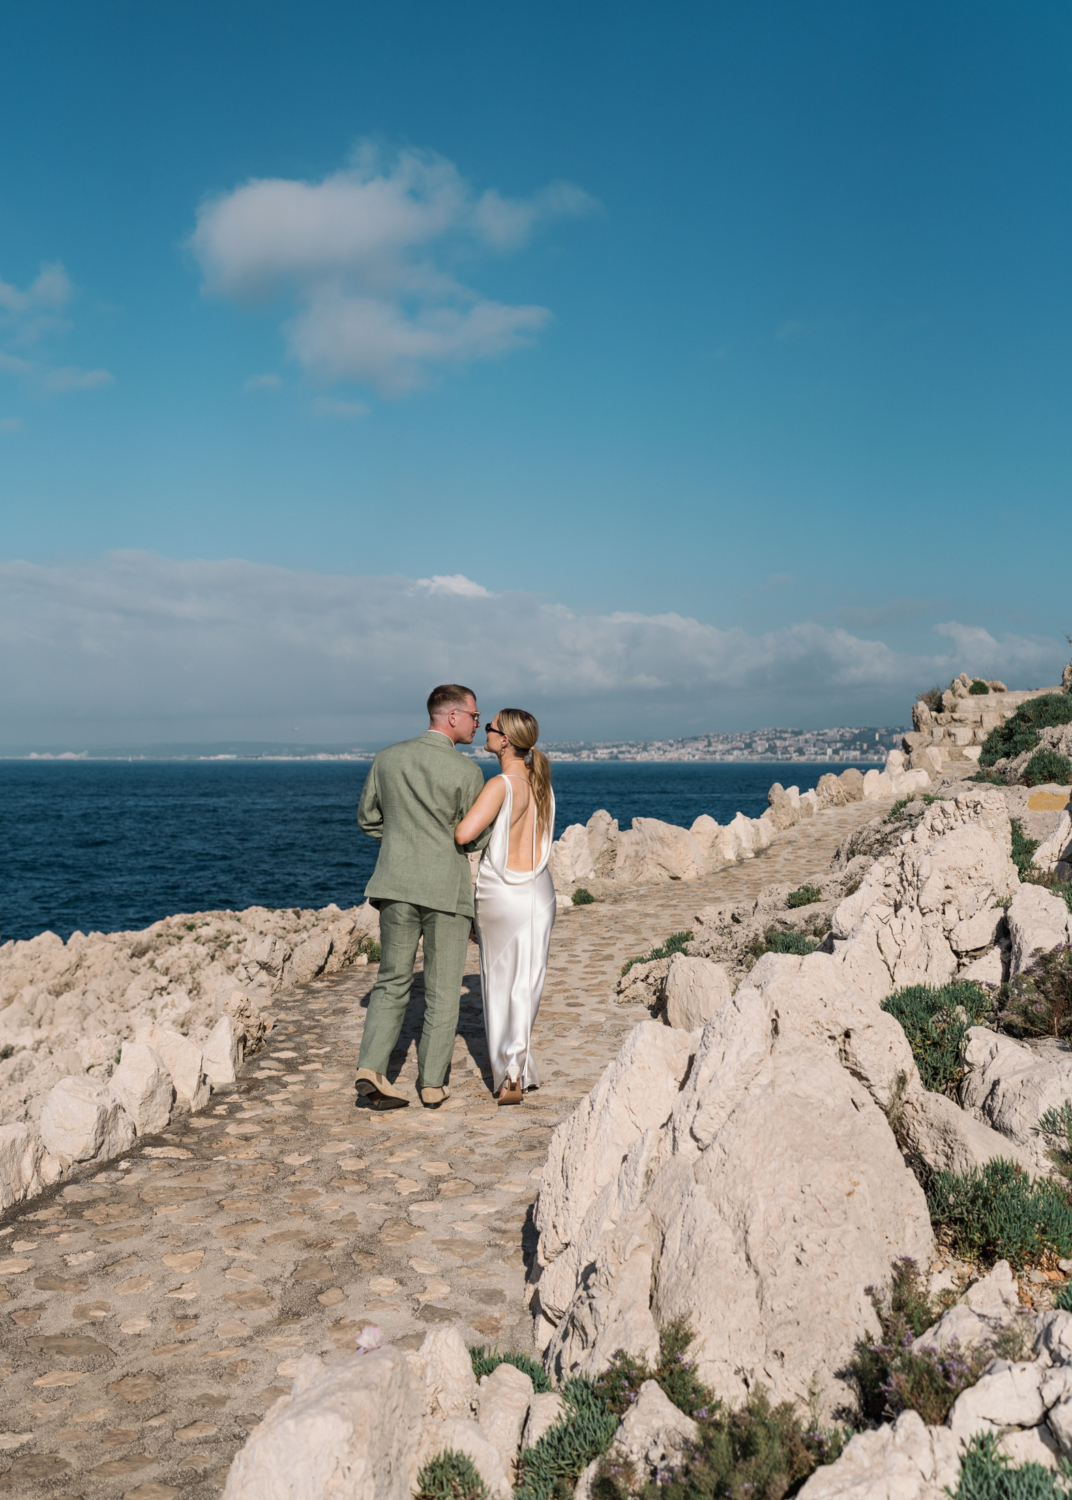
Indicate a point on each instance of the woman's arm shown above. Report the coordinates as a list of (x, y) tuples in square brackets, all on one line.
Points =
[(482, 813)]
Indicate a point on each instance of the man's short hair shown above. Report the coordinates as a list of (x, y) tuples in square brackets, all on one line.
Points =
[(447, 696)]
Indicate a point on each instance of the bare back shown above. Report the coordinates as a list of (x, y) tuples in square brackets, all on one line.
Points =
[(522, 818)]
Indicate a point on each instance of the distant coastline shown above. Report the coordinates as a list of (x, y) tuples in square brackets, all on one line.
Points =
[(839, 746)]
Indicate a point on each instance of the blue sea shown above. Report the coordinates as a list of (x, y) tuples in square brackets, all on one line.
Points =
[(108, 846)]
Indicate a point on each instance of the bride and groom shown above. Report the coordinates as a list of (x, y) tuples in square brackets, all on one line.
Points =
[(429, 807)]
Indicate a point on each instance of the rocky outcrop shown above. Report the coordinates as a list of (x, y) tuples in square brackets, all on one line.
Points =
[(1038, 921), (906, 1459), (1054, 853), (917, 908), (102, 1037), (1009, 1086), (954, 733), (747, 1181)]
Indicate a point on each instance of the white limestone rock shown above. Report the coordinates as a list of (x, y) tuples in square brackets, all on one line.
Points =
[(81, 1120), (652, 852), (25, 1168), (1056, 849), (1038, 921), (345, 1430), (654, 1437), (545, 1408), (947, 1138), (760, 1211), (988, 968), (221, 1053), (905, 1460), (694, 990), (142, 1084), (1007, 1396), (896, 929), (502, 1400), (1053, 1341), (1032, 1445), (570, 860), (990, 1305), (444, 1365), (1010, 1086), (183, 1059), (308, 959)]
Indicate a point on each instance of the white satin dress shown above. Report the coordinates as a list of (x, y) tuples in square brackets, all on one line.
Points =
[(515, 911)]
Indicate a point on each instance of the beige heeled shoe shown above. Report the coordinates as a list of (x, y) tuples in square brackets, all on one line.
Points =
[(510, 1093)]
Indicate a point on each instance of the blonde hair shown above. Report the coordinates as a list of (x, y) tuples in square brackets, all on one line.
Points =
[(522, 731)]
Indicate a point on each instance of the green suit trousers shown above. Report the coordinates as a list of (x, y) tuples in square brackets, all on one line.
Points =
[(446, 940)]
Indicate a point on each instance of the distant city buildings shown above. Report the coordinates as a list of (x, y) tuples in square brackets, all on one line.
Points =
[(844, 744)]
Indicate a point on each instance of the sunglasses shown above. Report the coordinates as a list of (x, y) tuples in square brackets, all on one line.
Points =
[(493, 729)]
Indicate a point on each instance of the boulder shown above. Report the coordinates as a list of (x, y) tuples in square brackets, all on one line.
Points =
[(545, 1408), (876, 784), (652, 852), (1009, 1086), (694, 990), (853, 782), (988, 968), (348, 1429), (308, 959), (503, 1401), (761, 1210), (1054, 853), (143, 1087), (896, 928), (221, 1055), (24, 1167), (830, 791), (183, 1059), (904, 1460), (946, 1138), (1038, 921), (653, 1439), (783, 806), (443, 1364), (81, 1120), (570, 860), (991, 1304), (1008, 1396), (709, 837)]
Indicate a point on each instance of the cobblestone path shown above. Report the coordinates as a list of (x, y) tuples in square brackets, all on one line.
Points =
[(152, 1312)]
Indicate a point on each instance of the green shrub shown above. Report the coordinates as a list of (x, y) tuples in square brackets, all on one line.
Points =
[(979, 686), (1057, 1125), (782, 942), (756, 1452), (1048, 765), (804, 895), (675, 943), (620, 1383), (485, 1360), (1063, 1301), (932, 698), (1021, 731), (934, 1029), (370, 947), (582, 897), (549, 1470), (996, 1212), (890, 1376), (450, 1476), (1023, 849), (986, 1474), (1038, 1002)]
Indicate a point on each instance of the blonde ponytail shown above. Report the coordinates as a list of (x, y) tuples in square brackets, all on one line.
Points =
[(522, 730)]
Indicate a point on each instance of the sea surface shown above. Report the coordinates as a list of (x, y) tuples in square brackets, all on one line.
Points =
[(109, 846)]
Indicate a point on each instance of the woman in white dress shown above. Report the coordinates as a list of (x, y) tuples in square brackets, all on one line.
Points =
[(515, 896)]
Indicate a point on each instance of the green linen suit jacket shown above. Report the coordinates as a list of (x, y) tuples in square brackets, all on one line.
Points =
[(415, 795)]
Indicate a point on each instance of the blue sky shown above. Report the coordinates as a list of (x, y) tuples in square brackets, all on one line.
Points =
[(660, 368)]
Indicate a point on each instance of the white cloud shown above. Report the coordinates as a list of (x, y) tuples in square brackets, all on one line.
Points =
[(329, 407), (367, 254), (133, 646), (32, 316), (263, 383), (454, 583)]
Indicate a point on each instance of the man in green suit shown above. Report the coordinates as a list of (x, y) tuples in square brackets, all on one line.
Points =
[(414, 797)]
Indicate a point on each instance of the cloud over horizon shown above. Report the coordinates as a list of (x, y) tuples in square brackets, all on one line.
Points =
[(133, 647), (369, 255)]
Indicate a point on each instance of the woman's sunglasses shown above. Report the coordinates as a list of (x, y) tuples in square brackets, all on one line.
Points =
[(493, 729)]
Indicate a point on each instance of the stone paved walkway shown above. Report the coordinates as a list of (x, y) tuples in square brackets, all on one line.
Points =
[(151, 1313)]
